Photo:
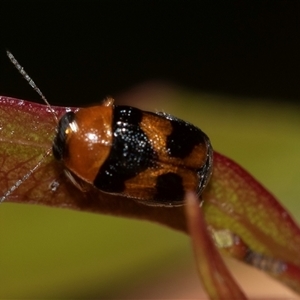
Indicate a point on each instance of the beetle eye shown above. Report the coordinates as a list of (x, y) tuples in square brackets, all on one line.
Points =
[(59, 147)]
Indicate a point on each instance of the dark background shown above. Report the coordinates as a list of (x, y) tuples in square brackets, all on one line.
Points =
[(80, 51)]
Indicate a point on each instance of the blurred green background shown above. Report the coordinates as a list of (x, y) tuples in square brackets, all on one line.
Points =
[(51, 253)]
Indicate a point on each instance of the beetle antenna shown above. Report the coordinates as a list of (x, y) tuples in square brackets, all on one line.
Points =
[(48, 152), (30, 81), (26, 176)]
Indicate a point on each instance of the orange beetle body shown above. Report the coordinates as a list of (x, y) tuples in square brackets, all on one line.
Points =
[(151, 157)]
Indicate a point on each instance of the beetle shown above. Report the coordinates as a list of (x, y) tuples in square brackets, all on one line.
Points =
[(154, 158), (151, 157)]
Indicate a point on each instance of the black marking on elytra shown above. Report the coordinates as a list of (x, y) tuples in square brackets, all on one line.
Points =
[(183, 138), (169, 188), (59, 147), (131, 152)]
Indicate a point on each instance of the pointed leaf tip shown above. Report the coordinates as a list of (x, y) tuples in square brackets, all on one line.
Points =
[(213, 272)]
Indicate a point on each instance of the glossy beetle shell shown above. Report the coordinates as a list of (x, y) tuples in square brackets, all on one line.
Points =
[(152, 157)]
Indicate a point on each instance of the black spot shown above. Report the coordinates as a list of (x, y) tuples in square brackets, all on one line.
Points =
[(169, 187), (59, 147), (131, 152), (183, 138)]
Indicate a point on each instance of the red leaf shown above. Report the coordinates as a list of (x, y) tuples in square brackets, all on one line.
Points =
[(213, 272), (233, 201), (262, 232)]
